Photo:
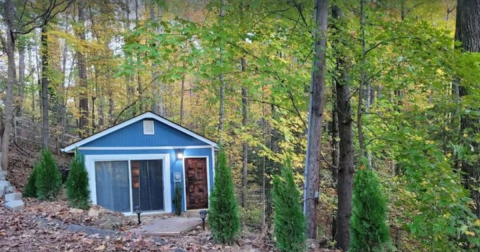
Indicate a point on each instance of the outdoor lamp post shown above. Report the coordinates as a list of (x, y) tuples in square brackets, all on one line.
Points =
[(138, 211), (203, 215)]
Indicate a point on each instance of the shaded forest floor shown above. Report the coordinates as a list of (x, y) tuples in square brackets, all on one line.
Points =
[(54, 226)]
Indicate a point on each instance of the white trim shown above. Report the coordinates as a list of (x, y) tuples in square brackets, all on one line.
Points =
[(146, 115), (147, 147), (185, 182), (213, 163), (90, 165), (147, 123)]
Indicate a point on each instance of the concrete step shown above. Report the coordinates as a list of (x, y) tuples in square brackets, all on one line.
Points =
[(10, 189), (13, 196), (4, 183), (15, 205)]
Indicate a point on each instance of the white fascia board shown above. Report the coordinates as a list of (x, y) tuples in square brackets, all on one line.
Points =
[(76, 145)]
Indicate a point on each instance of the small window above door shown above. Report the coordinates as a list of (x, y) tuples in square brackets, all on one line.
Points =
[(148, 128)]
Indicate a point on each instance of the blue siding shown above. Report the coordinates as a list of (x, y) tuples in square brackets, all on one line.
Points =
[(132, 136), (175, 165)]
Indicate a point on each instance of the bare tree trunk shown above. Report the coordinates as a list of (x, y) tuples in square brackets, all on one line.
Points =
[(221, 111), (312, 169), (363, 80), (82, 72), (181, 99), (345, 164), (245, 144), (45, 83), (467, 31), (139, 78), (21, 80), (9, 12), (159, 104)]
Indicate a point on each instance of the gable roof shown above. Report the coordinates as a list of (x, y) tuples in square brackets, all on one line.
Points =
[(146, 115)]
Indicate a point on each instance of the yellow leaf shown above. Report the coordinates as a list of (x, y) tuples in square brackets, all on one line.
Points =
[(469, 233)]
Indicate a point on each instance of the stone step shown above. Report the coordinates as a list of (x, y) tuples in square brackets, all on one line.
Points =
[(4, 183), (15, 205), (2, 175), (13, 196), (10, 189), (2, 191)]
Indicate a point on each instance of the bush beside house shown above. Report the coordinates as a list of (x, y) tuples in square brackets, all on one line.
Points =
[(77, 184), (223, 216)]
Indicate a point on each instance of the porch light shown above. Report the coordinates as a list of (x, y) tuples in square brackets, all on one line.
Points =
[(138, 211), (179, 154), (203, 215)]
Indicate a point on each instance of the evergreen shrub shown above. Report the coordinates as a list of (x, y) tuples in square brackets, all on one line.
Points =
[(48, 181), (77, 184), (30, 190), (368, 225), (289, 221), (223, 216)]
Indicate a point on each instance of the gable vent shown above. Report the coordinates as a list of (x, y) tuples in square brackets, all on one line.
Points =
[(148, 128)]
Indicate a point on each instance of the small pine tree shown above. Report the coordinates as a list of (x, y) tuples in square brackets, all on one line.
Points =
[(223, 216), (289, 221), (30, 188), (369, 230), (77, 184), (177, 199), (48, 180)]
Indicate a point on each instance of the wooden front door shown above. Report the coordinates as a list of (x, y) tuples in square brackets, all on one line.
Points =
[(196, 183)]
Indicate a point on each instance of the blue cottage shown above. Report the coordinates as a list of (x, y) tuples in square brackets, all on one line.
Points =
[(140, 161)]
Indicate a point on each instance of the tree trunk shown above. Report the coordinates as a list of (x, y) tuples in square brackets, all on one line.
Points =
[(182, 91), (314, 138), (9, 12), (467, 31), (159, 104), (45, 83), (245, 144), (82, 72), (221, 110), (345, 165), (21, 80), (363, 80)]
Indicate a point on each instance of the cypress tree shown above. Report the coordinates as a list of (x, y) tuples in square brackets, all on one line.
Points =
[(48, 180), (30, 188), (289, 220), (77, 184), (368, 225), (223, 216)]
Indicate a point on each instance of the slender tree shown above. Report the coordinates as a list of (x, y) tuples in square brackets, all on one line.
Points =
[(314, 138), (345, 163)]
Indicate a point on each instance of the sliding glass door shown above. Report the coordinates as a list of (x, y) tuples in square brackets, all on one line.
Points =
[(147, 184), (120, 189)]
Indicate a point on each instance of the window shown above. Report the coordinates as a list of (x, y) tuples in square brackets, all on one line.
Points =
[(148, 128)]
